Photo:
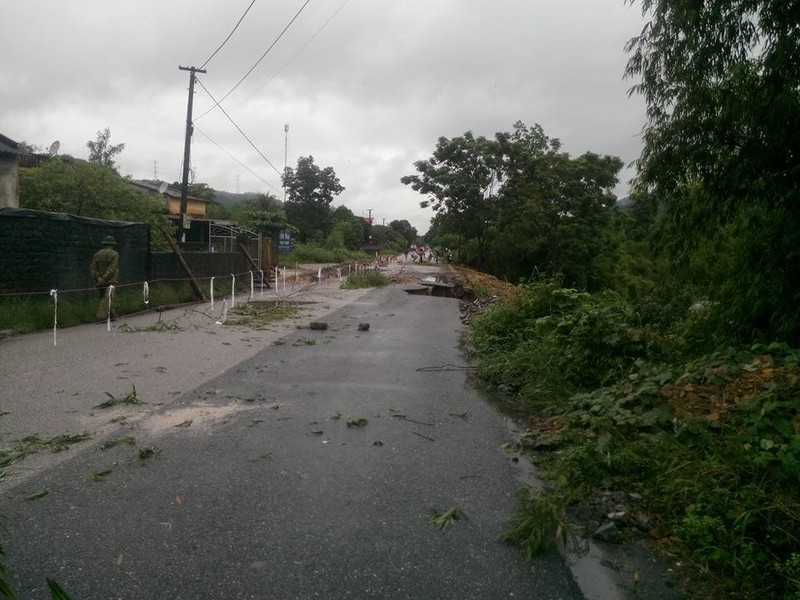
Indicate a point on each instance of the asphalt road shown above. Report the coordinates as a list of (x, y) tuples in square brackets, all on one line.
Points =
[(261, 489)]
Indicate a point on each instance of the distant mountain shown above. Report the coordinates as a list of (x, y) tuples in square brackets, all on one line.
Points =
[(624, 203), (229, 198)]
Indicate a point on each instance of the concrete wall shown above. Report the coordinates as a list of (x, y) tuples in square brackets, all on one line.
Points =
[(40, 251)]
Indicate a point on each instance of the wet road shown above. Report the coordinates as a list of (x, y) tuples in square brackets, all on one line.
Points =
[(265, 486)]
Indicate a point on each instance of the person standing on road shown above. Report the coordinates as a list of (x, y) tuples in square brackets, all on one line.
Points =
[(105, 272)]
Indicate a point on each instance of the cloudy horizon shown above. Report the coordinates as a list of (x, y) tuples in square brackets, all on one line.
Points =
[(366, 87)]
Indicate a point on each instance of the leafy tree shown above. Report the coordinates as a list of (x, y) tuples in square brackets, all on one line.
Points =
[(310, 191), (520, 206), (405, 230), (722, 150), (347, 230), (201, 190), (102, 152), (91, 190), (262, 214), (460, 180)]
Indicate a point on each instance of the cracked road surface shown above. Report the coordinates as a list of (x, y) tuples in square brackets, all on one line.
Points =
[(309, 469)]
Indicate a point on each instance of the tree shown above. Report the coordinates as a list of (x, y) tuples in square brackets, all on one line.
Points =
[(262, 214), (518, 205), (92, 190), (102, 152), (404, 229), (554, 210), (460, 180), (310, 191), (722, 146), (347, 230)]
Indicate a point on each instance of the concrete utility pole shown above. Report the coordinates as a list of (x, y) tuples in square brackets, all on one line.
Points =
[(186, 152), (285, 156)]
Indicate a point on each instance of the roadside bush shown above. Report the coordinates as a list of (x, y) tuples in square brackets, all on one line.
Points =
[(709, 439), (547, 342)]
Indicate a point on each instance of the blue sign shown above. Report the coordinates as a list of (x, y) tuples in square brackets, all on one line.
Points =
[(284, 241)]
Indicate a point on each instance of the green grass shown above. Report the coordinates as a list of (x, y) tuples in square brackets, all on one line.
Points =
[(307, 253), (370, 279)]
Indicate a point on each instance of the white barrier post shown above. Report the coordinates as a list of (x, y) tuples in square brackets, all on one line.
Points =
[(233, 290), (251, 286), (146, 293), (261, 272), (284, 281), (277, 277), (54, 294), (110, 297), (319, 275), (212, 293)]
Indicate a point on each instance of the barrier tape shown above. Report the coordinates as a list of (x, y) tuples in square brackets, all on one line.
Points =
[(54, 295)]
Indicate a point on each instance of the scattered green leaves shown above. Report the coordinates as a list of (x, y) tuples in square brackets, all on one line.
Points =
[(128, 440), (446, 519), (37, 494), (148, 453), (129, 398)]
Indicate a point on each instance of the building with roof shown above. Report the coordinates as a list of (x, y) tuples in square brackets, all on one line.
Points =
[(9, 172), (195, 207)]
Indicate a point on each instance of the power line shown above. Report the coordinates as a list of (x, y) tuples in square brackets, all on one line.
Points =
[(239, 129), (256, 175), (246, 75), (303, 47), (229, 35)]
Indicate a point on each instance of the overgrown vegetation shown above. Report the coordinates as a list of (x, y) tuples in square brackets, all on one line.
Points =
[(711, 441)]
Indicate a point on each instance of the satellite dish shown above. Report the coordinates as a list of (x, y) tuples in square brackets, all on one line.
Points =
[(163, 187), (54, 148)]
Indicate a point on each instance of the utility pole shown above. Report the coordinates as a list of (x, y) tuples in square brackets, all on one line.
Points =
[(186, 152), (285, 156)]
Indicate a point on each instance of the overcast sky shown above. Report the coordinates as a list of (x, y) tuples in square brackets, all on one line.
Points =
[(368, 93)]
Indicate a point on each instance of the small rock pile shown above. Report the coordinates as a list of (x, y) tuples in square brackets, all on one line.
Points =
[(474, 306), (612, 517)]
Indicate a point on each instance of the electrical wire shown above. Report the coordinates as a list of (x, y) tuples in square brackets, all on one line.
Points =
[(295, 55), (239, 129), (229, 35), (256, 175), (246, 75)]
